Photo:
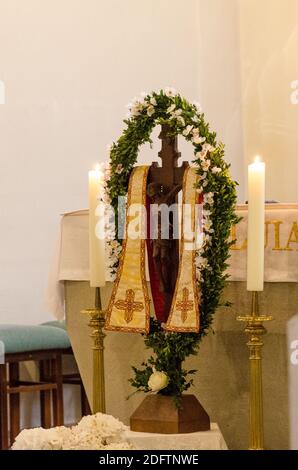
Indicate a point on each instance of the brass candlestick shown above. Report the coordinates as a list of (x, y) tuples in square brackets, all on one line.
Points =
[(96, 323), (255, 329)]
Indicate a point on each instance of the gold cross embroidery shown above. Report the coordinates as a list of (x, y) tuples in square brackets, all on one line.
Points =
[(129, 305), (184, 305)]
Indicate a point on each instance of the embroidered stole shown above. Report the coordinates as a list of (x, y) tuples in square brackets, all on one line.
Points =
[(129, 306), (184, 314)]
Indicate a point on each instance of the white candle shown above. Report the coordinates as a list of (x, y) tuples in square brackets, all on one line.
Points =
[(96, 229), (256, 220)]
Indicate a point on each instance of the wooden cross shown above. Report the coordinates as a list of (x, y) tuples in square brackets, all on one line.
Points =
[(129, 305), (185, 304), (169, 176)]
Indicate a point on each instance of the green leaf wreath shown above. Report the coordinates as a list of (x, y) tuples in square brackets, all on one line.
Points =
[(167, 107)]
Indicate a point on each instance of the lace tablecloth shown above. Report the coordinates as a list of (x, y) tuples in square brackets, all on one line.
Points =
[(205, 440)]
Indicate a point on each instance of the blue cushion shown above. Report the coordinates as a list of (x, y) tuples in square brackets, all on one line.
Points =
[(56, 323), (22, 338)]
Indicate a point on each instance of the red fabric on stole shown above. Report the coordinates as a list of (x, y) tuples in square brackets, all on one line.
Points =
[(157, 296)]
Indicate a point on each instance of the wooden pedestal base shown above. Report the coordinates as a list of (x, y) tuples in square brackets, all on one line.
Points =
[(159, 414)]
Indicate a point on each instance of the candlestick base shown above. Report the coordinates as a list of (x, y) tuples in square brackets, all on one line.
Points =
[(255, 329), (96, 323)]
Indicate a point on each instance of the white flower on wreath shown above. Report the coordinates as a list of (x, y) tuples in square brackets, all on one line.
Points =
[(197, 106), (202, 156), (208, 198), (171, 108), (198, 139), (208, 148), (176, 113), (205, 165), (215, 170), (187, 130), (201, 262), (119, 169), (206, 213), (150, 110), (202, 177), (114, 244), (208, 225), (207, 238), (136, 107), (181, 121), (153, 101), (170, 91)]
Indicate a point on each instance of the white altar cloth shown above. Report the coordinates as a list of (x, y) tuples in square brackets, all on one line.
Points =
[(205, 440), (71, 260)]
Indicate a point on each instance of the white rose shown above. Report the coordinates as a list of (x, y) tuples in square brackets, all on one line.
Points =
[(153, 101), (157, 381)]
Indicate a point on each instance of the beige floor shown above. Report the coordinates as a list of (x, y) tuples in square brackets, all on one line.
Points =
[(221, 383)]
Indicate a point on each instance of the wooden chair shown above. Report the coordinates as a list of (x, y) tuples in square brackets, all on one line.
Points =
[(41, 344), (74, 378), (47, 374)]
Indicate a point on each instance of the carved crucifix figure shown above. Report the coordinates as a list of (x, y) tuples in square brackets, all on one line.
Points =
[(164, 184), (164, 242)]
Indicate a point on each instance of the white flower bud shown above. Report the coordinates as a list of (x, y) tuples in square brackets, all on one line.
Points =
[(157, 381)]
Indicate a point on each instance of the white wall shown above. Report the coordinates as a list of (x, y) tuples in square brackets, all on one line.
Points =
[(269, 64), (219, 78), (70, 67)]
